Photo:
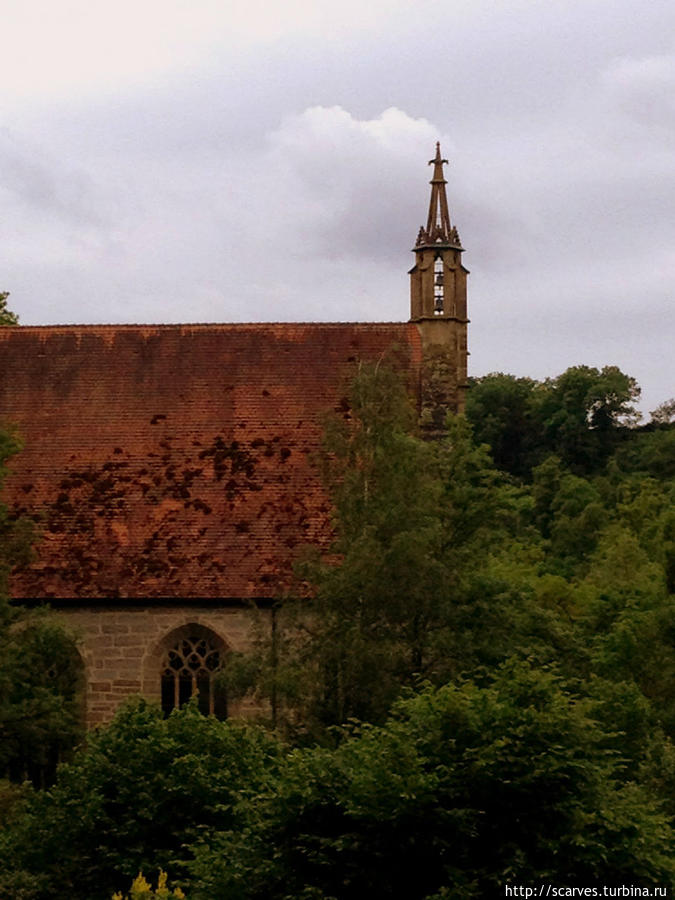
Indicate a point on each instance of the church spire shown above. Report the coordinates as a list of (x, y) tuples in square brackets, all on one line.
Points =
[(438, 302), (438, 278), (439, 230)]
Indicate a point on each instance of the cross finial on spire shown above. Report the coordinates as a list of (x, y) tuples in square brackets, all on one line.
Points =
[(439, 229), (437, 162)]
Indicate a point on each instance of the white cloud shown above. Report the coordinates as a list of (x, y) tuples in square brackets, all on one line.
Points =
[(347, 186)]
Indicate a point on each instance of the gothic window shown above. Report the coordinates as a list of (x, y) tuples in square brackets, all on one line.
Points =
[(189, 667)]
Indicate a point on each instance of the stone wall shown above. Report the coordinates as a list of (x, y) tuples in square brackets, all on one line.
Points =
[(122, 648)]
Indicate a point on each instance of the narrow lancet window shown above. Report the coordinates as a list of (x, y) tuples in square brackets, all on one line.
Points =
[(439, 286)]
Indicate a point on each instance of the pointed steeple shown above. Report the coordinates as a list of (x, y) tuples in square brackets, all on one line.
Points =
[(438, 278), (439, 231)]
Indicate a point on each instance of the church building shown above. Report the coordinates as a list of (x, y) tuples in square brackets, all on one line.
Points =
[(168, 468)]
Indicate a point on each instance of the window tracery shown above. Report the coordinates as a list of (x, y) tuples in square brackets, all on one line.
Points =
[(189, 669)]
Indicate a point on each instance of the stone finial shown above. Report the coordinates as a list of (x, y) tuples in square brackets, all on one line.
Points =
[(422, 237)]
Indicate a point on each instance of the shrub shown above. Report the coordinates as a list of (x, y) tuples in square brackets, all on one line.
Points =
[(143, 788)]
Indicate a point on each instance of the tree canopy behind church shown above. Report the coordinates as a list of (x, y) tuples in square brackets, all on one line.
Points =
[(582, 416)]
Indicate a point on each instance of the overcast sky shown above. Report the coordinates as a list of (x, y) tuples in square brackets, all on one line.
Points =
[(231, 161)]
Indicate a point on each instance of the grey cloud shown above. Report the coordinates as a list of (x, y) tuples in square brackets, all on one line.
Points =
[(47, 184)]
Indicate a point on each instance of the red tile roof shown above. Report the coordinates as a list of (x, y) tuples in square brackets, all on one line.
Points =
[(175, 460)]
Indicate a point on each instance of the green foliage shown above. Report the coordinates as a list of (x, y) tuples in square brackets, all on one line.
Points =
[(648, 452), (587, 398), (367, 626), (7, 317), (443, 564), (15, 534), (568, 511), (579, 416), (384, 605), (500, 409), (481, 509), (41, 711), (466, 788), (40, 669), (664, 414), (140, 790)]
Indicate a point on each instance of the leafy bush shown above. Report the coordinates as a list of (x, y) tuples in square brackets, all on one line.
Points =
[(142, 789)]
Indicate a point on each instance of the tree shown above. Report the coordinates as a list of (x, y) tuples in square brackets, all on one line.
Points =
[(499, 408), (466, 788), (374, 603), (7, 317), (41, 715), (580, 416), (629, 618), (648, 452), (40, 668), (581, 412), (381, 610), (664, 414), (570, 513)]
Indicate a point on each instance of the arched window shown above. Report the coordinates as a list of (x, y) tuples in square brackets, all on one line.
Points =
[(189, 666)]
